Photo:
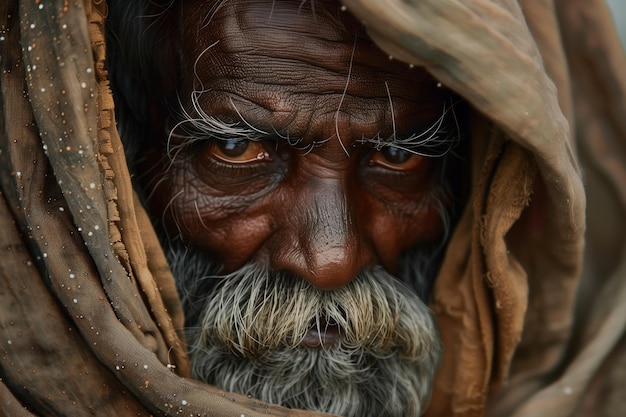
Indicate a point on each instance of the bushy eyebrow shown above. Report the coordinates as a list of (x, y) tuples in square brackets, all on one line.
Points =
[(189, 128), (435, 140)]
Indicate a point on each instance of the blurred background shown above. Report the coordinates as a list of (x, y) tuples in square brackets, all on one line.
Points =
[(619, 12)]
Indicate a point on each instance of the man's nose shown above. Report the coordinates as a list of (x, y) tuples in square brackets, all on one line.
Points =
[(321, 242)]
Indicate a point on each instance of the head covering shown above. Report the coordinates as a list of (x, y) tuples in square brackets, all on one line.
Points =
[(532, 320), (544, 81)]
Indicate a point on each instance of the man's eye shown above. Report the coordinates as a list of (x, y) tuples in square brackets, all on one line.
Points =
[(396, 159), (239, 151)]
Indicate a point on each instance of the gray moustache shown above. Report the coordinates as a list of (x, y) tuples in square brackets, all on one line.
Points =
[(254, 311)]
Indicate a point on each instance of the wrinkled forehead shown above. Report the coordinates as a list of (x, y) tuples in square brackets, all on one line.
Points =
[(325, 20), (317, 32), (329, 17), (300, 68)]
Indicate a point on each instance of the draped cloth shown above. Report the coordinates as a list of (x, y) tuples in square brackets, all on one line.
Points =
[(531, 297)]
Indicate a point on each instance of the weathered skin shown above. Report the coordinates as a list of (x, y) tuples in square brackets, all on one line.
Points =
[(330, 205)]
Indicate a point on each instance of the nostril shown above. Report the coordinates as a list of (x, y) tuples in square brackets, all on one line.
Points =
[(325, 268)]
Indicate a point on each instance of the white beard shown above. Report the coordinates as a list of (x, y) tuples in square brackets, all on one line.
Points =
[(245, 332)]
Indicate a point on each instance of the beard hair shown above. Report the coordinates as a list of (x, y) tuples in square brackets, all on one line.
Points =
[(245, 331)]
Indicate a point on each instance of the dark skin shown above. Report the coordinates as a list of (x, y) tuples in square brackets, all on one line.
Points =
[(330, 205)]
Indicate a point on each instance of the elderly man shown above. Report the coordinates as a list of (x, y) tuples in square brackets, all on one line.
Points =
[(299, 196), (368, 209)]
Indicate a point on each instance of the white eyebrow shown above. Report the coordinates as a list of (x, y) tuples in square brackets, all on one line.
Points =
[(191, 129), (434, 141)]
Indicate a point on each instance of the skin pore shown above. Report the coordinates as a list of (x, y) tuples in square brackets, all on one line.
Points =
[(299, 178)]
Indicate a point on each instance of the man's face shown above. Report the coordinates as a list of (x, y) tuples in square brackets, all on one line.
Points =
[(302, 166)]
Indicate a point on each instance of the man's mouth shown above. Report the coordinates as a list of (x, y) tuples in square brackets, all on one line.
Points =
[(322, 333)]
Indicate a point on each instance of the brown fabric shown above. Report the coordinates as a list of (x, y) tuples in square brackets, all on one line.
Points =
[(531, 268), (533, 325)]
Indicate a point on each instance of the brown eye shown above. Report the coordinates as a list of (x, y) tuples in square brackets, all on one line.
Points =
[(239, 151), (396, 158)]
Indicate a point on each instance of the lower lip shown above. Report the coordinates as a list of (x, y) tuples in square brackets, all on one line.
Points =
[(328, 335)]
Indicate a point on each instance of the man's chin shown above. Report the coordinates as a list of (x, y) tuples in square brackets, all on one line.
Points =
[(338, 379)]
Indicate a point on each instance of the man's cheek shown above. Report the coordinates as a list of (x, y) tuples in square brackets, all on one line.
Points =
[(192, 201), (230, 237)]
